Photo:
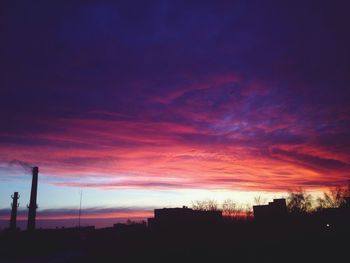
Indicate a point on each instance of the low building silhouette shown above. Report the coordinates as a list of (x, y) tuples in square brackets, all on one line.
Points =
[(335, 218), (277, 209), (178, 217), (132, 227)]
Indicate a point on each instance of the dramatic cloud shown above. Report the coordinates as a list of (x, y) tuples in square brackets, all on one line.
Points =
[(174, 95)]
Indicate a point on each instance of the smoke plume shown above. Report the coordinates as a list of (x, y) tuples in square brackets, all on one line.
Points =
[(26, 166)]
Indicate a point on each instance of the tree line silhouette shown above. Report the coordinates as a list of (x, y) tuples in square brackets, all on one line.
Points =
[(313, 231), (298, 202)]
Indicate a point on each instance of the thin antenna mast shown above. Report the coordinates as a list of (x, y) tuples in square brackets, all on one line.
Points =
[(81, 197)]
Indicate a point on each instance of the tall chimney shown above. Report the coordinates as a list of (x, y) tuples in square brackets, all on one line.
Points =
[(14, 204), (32, 205)]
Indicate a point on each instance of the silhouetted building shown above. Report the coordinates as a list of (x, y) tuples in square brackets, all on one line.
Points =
[(173, 217), (277, 209), (335, 218), (133, 227)]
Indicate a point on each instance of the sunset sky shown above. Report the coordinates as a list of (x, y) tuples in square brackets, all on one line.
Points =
[(147, 104)]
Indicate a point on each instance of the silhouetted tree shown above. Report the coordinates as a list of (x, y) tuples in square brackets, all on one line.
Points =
[(230, 208), (258, 200), (205, 205), (334, 198), (299, 202), (248, 210)]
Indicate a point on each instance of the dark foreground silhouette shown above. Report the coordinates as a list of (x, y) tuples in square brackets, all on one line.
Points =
[(322, 237)]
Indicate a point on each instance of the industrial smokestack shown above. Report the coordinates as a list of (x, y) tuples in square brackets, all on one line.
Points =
[(14, 204), (32, 205)]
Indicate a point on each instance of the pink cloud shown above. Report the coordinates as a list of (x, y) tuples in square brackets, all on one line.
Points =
[(236, 143), (159, 153)]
